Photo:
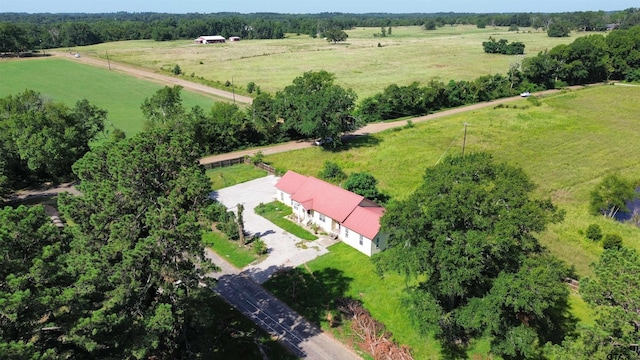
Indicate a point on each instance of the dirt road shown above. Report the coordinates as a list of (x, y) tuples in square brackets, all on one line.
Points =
[(368, 129), (155, 77)]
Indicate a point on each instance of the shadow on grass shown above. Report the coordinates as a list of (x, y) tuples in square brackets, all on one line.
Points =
[(310, 294), (351, 141), (218, 331)]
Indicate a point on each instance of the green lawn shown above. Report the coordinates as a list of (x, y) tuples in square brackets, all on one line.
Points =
[(345, 272), (66, 81), (276, 212), (231, 250), (565, 145), (231, 175)]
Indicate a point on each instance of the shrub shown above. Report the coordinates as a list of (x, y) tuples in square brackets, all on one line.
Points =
[(176, 70), (258, 158), (259, 246), (594, 232), (251, 87), (612, 241), (332, 172)]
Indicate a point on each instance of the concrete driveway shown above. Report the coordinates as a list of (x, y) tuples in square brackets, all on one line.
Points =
[(285, 250)]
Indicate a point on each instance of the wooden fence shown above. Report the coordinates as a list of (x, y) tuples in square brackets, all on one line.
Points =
[(573, 284), (240, 160)]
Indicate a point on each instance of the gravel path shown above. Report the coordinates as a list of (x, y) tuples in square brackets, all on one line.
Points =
[(155, 77)]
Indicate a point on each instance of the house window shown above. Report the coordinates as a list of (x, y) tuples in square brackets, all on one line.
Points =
[(281, 196), (361, 240), (295, 206), (377, 242), (321, 217), (346, 232)]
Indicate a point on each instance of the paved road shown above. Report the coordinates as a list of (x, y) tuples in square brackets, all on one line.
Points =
[(300, 336)]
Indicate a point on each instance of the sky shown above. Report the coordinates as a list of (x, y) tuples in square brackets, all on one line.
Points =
[(312, 7)]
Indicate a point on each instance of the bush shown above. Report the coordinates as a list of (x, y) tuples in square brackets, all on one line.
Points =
[(612, 241), (258, 158), (259, 246), (251, 87), (332, 172), (176, 70), (594, 232)]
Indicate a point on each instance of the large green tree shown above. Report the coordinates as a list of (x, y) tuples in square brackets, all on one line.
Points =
[(611, 195), (314, 106), (464, 237), (614, 295), (32, 284), (137, 253), (41, 139)]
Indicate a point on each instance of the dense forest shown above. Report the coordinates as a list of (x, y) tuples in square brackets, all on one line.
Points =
[(44, 31)]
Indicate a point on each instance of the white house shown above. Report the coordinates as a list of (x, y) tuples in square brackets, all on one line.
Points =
[(210, 39), (347, 216)]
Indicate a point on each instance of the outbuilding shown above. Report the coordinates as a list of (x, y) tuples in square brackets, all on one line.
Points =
[(210, 39), (234, 38)]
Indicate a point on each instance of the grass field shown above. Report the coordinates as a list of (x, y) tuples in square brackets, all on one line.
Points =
[(565, 145), (364, 63), (232, 175), (276, 212), (68, 82), (230, 250)]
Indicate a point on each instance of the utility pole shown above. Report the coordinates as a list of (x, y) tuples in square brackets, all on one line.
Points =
[(233, 89), (464, 139), (108, 61)]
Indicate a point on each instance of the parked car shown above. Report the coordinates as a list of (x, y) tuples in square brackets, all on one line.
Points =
[(525, 94), (319, 142)]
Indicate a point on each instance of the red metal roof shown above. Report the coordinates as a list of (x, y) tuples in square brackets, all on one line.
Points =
[(335, 202), (365, 221), (352, 210), (290, 182)]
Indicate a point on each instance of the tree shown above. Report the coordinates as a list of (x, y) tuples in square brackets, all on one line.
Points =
[(313, 106), (41, 139), (164, 106), (614, 295), (430, 24), (466, 234), (364, 184), (558, 29), (335, 35), (332, 172), (32, 283), (136, 255), (611, 195)]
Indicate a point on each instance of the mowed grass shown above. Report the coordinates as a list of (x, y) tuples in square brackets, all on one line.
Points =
[(231, 250), (276, 213), (566, 146), (231, 175), (66, 81), (381, 296), (364, 63)]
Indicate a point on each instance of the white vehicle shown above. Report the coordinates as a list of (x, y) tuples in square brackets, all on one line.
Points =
[(525, 94)]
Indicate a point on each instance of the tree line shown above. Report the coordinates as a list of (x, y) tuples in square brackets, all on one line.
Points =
[(589, 59), (21, 32)]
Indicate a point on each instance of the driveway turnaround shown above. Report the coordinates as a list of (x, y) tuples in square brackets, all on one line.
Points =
[(285, 250)]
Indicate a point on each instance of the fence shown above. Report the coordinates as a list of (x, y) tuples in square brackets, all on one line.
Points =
[(573, 284), (240, 160)]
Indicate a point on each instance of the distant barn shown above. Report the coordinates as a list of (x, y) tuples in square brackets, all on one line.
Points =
[(234, 38), (210, 39)]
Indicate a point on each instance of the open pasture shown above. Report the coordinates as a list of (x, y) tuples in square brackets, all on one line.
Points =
[(566, 146), (68, 82), (365, 63)]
